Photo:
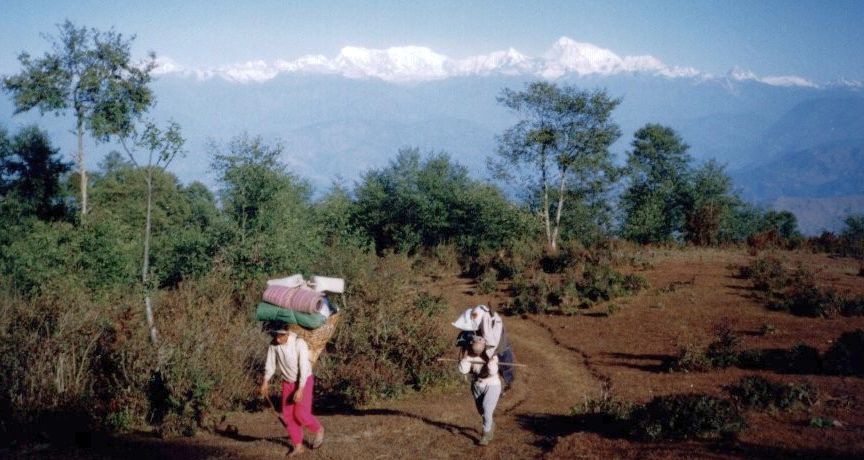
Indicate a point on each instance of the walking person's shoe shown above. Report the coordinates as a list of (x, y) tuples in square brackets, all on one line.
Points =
[(319, 439), (297, 450), (487, 436)]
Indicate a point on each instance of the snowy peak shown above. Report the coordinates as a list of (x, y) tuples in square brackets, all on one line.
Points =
[(739, 74), (403, 64)]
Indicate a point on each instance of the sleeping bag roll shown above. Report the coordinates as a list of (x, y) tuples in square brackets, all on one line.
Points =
[(299, 299), (270, 312)]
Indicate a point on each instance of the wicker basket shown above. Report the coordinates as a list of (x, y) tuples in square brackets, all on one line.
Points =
[(317, 338)]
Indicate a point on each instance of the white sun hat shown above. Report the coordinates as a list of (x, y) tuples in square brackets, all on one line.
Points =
[(465, 322)]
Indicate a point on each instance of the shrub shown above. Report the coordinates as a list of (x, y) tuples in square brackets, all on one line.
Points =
[(767, 274), (846, 355), (796, 291), (532, 292), (388, 339), (613, 415), (722, 352), (488, 281), (758, 392), (690, 358), (689, 416), (211, 358), (812, 301), (602, 282)]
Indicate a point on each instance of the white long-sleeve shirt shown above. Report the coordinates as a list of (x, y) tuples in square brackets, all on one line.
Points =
[(475, 365), (290, 360), (491, 329)]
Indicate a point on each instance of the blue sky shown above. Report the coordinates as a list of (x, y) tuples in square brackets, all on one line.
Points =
[(820, 41)]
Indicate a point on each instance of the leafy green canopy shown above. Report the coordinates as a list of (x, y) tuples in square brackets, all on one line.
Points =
[(416, 203), (91, 74), (559, 145), (658, 169), (271, 222), (30, 176)]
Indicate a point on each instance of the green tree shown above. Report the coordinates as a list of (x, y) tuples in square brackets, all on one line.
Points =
[(783, 222), (334, 212), (853, 234), (654, 202), (30, 176), (187, 227), (89, 73), (272, 223), (422, 202), (710, 202), (562, 139)]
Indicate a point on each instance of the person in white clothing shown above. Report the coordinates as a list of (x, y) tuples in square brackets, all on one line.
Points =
[(288, 356), (485, 384), (489, 325)]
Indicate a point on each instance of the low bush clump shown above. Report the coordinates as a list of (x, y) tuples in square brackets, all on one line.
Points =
[(613, 414), (688, 416), (488, 281), (846, 355), (722, 352), (563, 282), (673, 417), (760, 393), (796, 291), (767, 274)]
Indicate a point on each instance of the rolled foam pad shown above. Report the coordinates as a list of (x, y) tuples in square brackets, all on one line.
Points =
[(323, 283)]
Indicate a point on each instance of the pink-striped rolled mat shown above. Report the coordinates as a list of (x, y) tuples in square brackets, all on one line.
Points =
[(302, 300)]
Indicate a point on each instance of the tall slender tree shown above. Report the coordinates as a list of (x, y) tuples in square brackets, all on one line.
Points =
[(563, 139), (91, 74), (161, 146)]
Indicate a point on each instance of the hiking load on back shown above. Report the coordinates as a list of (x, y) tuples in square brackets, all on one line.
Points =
[(301, 319), (485, 348)]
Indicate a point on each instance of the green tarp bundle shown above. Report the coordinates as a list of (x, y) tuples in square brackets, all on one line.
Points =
[(270, 312)]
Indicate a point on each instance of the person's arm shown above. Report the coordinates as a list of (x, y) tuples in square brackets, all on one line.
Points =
[(269, 370), (492, 366), (493, 335), (304, 368), (465, 363)]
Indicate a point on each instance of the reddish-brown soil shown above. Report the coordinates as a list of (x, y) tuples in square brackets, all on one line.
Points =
[(571, 358)]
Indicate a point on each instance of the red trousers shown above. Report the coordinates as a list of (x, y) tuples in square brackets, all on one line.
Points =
[(298, 416)]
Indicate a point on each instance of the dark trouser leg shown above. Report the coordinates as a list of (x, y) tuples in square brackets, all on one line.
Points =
[(506, 356)]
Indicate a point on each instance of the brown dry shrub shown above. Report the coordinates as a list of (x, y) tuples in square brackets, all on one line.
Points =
[(46, 349), (211, 352), (67, 353), (389, 337)]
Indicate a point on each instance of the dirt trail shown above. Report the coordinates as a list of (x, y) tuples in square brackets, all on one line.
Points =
[(437, 425)]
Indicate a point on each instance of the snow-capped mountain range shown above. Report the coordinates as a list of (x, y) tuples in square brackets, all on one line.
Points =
[(786, 141), (404, 64)]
